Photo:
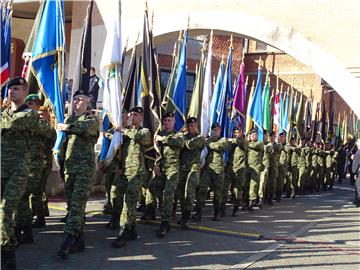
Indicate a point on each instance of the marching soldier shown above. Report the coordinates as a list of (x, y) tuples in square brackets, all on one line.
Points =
[(308, 164), (293, 173), (266, 160), (163, 185), (135, 140), (190, 168), (236, 168), (82, 133), (255, 154), (213, 173), (328, 179), (18, 122), (274, 168), (282, 166), (320, 153), (304, 151), (314, 168)]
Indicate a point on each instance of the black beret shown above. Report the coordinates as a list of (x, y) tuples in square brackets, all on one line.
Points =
[(81, 92), (215, 125), (17, 81), (124, 111), (282, 133), (272, 133), (253, 131), (191, 120), (137, 109), (303, 138), (168, 114)]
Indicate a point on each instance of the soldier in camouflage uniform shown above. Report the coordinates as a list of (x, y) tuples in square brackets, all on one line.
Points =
[(304, 152), (135, 140), (308, 165), (328, 178), (18, 122), (255, 155), (282, 166), (213, 173), (190, 168), (293, 173), (45, 134), (320, 153), (266, 160), (82, 132), (274, 168), (236, 169), (115, 180), (314, 169), (166, 170)]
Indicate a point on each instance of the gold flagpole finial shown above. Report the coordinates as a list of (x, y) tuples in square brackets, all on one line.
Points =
[(231, 42), (146, 5)]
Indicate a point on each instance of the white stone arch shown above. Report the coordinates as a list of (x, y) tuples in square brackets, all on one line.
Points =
[(166, 27)]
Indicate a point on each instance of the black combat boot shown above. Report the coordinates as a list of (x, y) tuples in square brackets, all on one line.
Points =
[(142, 206), (64, 219), (223, 210), (173, 212), (18, 235), (46, 209), (150, 213), (27, 237), (261, 203), (197, 215), (39, 222), (216, 213), (245, 205), (113, 224), (8, 259), (234, 211), (68, 242), (185, 216), (163, 230), (251, 206), (120, 241), (79, 244), (131, 233)]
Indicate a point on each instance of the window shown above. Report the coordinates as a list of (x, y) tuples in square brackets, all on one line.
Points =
[(260, 46)]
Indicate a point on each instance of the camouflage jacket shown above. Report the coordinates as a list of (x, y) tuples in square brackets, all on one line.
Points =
[(82, 134), (255, 155), (238, 154), (283, 155), (304, 152), (275, 156), (215, 156), (191, 152)]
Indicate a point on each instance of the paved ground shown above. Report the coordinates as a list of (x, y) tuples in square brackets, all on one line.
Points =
[(318, 231)]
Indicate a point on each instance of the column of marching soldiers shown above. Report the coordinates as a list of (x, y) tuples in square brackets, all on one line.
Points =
[(255, 172)]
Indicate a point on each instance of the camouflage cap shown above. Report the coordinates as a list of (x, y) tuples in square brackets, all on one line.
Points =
[(17, 81), (137, 109), (32, 97), (191, 120)]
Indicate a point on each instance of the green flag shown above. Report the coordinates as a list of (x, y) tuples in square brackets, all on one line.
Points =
[(300, 117), (266, 104)]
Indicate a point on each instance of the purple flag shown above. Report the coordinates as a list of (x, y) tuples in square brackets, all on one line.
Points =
[(239, 105)]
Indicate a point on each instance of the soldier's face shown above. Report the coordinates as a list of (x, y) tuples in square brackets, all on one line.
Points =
[(273, 138), (303, 142), (81, 103), (136, 118), (168, 123), (237, 134), (193, 128), (125, 118), (254, 137), (17, 93), (92, 72), (215, 132), (282, 138)]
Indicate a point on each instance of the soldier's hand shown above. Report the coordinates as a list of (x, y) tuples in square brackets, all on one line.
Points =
[(61, 127), (158, 138), (157, 170), (44, 115)]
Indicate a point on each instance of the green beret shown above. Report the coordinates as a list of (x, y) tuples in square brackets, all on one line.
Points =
[(215, 125), (81, 92), (137, 109), (17, 81), (168, 114), (32, 97), (191, 120)]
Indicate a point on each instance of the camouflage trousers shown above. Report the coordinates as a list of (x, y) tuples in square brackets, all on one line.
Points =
[(280, 181), (117, 193), (302, 178), (215, 180), (77, 191), (163, 187), (186, 189), (329, 177), (319, 177), (264, 175), (13, 185), (272, 182), (254, 176), (313, 177), (291, 180), (109, 184), (131, 196), (236, 180)]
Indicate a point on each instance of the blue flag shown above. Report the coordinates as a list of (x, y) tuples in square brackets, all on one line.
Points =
[(216, 95), (48, 60), (285, 120), (5, 48), (225, 102), (256, 109), (179, 94), (105, 140)]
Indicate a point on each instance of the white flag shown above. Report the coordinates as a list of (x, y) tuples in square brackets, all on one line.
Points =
[(110, 72)]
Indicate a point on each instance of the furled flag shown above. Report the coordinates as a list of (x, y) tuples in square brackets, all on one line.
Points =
[(150, 86), (276, 112), (256, 110), (110, 70), (300, 117), (331, 112), (6, 14), (179, 94), (249, 122), (216, 95), (239, 105), (266, 105), (81, 78), (48, 61), (285, 120), (130, 90)]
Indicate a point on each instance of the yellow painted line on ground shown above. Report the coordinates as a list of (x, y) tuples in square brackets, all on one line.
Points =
[(191, 227)]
